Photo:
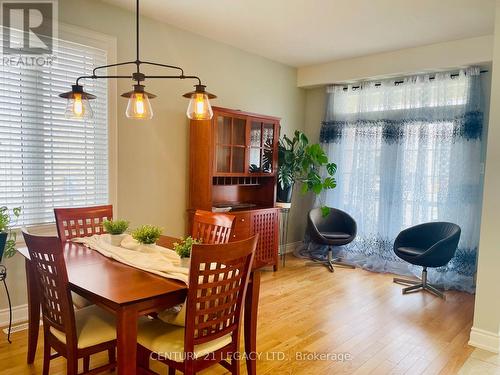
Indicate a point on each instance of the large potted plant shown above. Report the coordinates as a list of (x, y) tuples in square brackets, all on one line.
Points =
[(8, 237), (301, 162)]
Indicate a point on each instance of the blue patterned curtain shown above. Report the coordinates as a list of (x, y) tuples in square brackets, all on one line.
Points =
[(408, 152)]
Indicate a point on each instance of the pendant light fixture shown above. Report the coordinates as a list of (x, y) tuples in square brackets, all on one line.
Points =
[(139, 106)]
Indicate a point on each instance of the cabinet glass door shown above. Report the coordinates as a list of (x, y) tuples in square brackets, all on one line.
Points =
[(231, 145), (261, 147)]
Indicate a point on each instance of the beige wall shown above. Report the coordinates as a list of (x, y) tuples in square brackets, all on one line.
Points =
[(486, 328), (153, 156), (441, 56)]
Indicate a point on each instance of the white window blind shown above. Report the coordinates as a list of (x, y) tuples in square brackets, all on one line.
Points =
[(46, 160)]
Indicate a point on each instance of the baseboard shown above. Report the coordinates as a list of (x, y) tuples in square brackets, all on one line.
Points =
[(290, 247), (19, 315), (486, 340)]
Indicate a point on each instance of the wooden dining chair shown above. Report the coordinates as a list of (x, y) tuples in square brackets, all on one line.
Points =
[(71, 334), (81, 221), (212, 227), (218, 282)]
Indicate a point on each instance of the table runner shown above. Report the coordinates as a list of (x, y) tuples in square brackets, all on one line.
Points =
[(155, 259)]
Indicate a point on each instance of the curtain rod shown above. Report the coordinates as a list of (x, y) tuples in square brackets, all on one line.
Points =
[(452, 75)]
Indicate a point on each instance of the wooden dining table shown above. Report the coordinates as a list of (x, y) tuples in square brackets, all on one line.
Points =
[(128, 293)]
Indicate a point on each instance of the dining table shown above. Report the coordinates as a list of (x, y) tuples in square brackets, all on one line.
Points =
[(128, 293)]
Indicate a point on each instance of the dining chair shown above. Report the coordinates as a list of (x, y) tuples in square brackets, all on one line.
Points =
[(71, 334), (218, 281), (212, 227), (81, 221)]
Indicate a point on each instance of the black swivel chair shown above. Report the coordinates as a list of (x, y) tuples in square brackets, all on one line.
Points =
[(336, 229), (426, 245)]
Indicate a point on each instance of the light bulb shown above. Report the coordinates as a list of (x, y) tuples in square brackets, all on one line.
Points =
[(78, 105), (139, 107), (199, 107)]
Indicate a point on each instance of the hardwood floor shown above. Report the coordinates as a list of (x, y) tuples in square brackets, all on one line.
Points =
[(307, 310)]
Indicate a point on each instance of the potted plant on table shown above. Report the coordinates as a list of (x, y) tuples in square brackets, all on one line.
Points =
[(7, 236), (299, 161), (184, 248), (147, 234), (116, 230)]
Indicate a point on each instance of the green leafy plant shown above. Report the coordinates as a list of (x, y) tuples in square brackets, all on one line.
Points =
[(147, 234), (6, 225), (115, 226), (299, 161), (184, 247)]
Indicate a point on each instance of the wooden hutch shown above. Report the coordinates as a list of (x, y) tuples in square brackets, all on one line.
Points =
[(232, 163)]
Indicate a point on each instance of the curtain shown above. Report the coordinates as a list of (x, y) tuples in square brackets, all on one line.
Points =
[(408, 152)]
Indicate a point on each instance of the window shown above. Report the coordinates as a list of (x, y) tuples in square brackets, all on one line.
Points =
[(46, 160)]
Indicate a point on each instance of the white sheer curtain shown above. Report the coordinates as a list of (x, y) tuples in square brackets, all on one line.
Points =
[(408, 152)]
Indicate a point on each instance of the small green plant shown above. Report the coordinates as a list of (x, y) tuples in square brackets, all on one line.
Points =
[(184, 247), (115, 226), (6, 227), (147, 234)]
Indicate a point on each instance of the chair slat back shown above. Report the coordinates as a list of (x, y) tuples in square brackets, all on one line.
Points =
[(218, 281), (81, 221), (212, 227), (47, 256)]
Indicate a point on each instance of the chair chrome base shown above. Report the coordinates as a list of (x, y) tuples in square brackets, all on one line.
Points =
[(330, 262), (418, 285)]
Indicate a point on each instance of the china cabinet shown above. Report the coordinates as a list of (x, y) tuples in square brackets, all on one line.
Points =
[(232, 163)]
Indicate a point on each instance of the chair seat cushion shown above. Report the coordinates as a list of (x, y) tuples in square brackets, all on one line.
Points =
[(412, 251), (93, 326), (336, 235), (168, 340), (79, 302)]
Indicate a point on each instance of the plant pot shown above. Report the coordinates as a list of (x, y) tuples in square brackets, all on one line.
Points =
[(284, 195), (186, 262), (3, 240), (116, 239)]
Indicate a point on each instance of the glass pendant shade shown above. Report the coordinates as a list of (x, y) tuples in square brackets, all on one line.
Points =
[(139, 106), (78, 106), (199, 107)]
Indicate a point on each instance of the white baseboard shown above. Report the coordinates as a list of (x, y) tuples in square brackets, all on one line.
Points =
[(486, 340), (19, 315), (290, 247)]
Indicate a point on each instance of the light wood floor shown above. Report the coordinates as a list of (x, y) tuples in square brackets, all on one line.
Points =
[(305, 310)]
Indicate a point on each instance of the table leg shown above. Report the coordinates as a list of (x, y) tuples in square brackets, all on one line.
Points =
[(251, 310), (33, 311), (126, 334)]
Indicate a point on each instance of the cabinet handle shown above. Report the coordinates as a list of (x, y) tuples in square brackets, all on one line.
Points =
[(234, 235), (242, 220)]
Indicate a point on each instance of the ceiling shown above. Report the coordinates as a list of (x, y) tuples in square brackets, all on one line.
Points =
[(304, 32)]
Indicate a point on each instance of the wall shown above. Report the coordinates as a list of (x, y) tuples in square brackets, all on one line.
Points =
[(153, 156), (448, 55), (485, 332)]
